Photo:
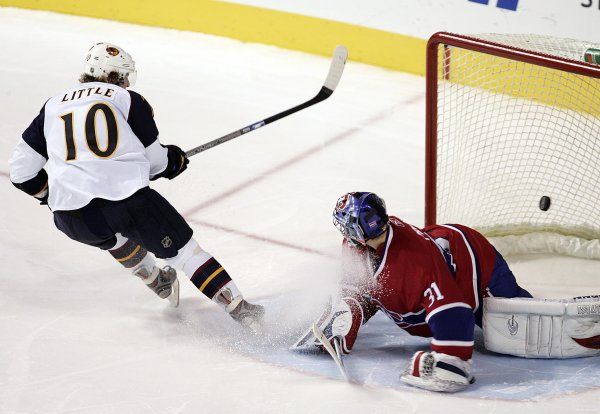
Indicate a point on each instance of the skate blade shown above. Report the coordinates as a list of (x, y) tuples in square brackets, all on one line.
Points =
[(173, 298)]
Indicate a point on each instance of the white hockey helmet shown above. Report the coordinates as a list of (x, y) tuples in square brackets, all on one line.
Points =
[(104, 58)]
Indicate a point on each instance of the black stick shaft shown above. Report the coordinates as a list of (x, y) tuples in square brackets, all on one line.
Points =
[(323, 94)]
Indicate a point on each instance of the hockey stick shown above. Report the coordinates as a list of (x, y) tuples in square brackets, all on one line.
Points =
[(340, 54), (336, 353)]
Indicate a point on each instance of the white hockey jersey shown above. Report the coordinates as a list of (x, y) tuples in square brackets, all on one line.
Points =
[(97, 140)]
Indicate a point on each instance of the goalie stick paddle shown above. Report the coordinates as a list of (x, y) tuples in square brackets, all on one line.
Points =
[(336, 354), (340, 54)]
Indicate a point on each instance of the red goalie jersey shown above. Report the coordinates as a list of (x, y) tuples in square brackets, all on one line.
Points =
[(431, 283)]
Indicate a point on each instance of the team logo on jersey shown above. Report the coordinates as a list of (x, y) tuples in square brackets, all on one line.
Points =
[(113, 51), (167, 242), (396, 221), (513, 326)]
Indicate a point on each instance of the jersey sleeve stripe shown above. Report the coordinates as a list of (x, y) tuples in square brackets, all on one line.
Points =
[(474, 264), (445, 307), (463, 352), (34, 134), (438, 342), (454, 324), (141, 119), (390, 236)]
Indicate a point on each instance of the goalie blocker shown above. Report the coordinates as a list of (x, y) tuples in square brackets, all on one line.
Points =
[(543, 328)]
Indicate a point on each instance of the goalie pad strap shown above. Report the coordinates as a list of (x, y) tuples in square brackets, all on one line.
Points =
[(451, 368)]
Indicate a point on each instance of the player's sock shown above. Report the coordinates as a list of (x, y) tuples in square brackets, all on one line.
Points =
[(214, 281), (130, 254), (211, 278)]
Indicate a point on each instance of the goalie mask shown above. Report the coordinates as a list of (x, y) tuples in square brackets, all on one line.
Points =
[(105, 58), (360, 216)]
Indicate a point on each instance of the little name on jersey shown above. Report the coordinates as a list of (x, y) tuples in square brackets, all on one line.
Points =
[(84, 93)]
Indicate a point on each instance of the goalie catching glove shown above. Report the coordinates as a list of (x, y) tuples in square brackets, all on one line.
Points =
[(341, 320), (438, 372)]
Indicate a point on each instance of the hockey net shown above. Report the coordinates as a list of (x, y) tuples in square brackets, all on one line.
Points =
[(513, 141)]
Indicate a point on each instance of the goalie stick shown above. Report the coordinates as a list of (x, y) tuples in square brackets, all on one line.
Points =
[(340, 54), (336, 353)]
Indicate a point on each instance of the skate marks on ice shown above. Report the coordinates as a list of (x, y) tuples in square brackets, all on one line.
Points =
[(381, 352)]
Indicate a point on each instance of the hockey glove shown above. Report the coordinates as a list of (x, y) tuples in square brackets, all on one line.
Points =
[(176, 164), (43, 197), (36, 187), (438, 372), (341, 320)]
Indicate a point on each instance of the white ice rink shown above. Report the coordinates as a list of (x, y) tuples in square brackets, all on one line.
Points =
[(79, 334)]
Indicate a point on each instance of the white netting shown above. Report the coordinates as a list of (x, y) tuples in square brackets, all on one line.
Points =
[(564, 48), (510, 133)]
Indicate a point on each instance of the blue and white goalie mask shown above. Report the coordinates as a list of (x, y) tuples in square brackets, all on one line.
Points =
[(360, 216)]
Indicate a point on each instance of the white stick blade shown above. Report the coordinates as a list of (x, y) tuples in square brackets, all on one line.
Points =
[(340, 54), (323, 340)]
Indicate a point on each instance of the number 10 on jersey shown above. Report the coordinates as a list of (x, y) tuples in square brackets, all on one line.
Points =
[(91, 137)]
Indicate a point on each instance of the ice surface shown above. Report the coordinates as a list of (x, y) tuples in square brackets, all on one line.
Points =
[(81, 335)]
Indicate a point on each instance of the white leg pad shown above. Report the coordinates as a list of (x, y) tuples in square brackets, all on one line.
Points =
[(542, 328)]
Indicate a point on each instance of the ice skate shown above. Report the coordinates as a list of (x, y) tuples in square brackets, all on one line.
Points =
[(248, 314), (163, 282)]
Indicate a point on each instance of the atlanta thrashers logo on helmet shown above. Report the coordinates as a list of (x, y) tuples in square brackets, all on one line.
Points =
[(112, 51)]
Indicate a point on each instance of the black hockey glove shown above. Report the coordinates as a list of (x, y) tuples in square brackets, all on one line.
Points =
[(43, 199), (176, 164), (36, 187)]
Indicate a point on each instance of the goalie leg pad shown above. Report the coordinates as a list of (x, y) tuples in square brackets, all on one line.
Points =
[(340, 320), (543, 328)]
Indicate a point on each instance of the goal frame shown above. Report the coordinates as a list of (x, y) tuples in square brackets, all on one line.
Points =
[(481, 46)]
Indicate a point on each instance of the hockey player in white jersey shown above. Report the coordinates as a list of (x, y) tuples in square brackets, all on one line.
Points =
[(90, 154)]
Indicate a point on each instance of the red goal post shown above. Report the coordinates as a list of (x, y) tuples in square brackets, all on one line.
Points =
[(512, 124)]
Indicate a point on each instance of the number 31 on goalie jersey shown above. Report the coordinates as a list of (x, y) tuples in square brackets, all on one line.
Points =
[(91, 133), (433, 293)]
